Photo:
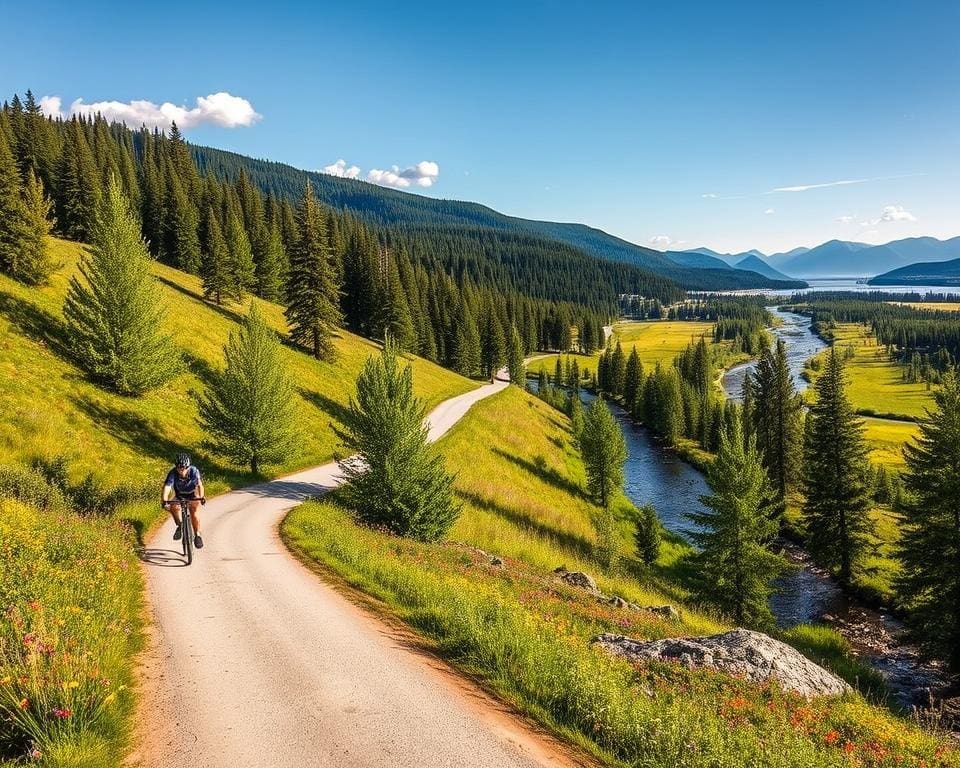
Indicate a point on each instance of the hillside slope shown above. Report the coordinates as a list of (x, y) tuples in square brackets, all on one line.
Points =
[(49, 407), (946, 273)]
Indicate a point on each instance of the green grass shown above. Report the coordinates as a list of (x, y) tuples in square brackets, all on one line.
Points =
[(71, 592), (526, 635), (875, 381), (49, 409), (656, 341)]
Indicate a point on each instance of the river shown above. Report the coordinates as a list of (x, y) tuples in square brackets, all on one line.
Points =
[(654, 474)]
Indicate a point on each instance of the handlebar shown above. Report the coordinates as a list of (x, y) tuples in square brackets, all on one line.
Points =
[(181, 501)]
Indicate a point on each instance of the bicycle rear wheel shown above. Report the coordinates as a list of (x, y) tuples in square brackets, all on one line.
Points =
[(187, 535)]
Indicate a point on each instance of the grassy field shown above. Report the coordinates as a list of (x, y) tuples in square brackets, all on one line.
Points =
[(57, 569), (887, 438), (656, 341), (876, 383), (49, 406), (526, 635), (943, 306)]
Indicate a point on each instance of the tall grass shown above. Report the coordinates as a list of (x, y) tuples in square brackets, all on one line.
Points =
[(70, 596), (540, 659)]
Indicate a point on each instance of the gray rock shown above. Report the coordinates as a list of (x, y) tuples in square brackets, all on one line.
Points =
[(497, 562), (578, 579), (667, 611), (743, 653)]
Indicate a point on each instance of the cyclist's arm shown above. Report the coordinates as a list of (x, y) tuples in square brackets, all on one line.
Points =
[(167, 493), (200, 493)]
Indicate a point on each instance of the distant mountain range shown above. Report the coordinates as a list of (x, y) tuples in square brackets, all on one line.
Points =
[(837, 258), (752, 261), (945, 273)]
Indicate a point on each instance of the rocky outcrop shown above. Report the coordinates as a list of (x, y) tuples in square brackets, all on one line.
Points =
[(752, 655), (585, 581), (666, 611), (578, 579)]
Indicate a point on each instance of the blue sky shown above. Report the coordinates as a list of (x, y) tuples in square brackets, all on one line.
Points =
[(664, 123)]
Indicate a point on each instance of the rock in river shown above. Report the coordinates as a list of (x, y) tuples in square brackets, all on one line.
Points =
[(744, 653)]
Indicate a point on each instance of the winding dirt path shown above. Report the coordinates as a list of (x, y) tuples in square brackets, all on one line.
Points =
[(255, 661)]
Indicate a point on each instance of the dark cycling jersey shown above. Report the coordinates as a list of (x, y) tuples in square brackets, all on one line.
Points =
[(185, 486)]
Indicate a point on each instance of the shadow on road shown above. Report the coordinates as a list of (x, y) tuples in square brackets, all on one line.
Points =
[(289, 489), (164, 558)]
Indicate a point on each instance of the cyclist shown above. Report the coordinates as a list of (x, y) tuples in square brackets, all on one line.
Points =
[(184, 482)]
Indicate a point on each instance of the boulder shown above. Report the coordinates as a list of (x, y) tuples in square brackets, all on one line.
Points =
[(667, 611), (497, 562), (752, 655), (578, 579)]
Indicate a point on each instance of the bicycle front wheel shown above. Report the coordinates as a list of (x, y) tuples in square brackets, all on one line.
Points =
[(187, 536)]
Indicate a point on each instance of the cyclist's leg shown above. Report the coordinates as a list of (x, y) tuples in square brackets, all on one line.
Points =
[(194, 507), (173, 507)]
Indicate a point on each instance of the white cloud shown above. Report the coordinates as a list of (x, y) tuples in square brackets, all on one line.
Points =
[(840, 183), (709, 196), (769, 212), (844, 219), (222, 109), (50, 106), (895, 213), (423, 174), (341, 169), (664, 241)]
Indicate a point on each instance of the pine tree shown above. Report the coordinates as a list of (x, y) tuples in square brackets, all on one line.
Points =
[(466, 352), (618, 371), (604, 452), (79, 186), (396, 480), (181, 241), (113, 312), (835, 457), (647, 534), (929, 585), (632, 381), (313, 300), (393, 315), (515, 364), (241, 256), (271, 262), (35, 265), (218, 279), (249, 411), (492, 343), (13, 214), (735, 569), (777, 420)]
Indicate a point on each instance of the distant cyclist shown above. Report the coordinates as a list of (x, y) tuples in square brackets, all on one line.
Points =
[(184, 482)]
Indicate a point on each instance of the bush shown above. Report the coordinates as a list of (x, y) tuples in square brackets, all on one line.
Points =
[(648, 534), (70, 591), (30, 486)]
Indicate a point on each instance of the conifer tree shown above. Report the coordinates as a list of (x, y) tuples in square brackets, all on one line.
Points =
[(113, 310), (78, 185), (632, 381), (313, 301), (181, 241), (271, 263), (515, 365), (777, 420), (13, 214), (647, 534), (467, 343), (241, 256), (735, 569), (393, 315), (835, 458), (929, 585), (395, 480), (618, 371), (218, 279), (492, 343), (35, 263), (604, 452), (249, 411)]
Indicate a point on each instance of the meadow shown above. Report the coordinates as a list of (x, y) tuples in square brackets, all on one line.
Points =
[(526, 635)]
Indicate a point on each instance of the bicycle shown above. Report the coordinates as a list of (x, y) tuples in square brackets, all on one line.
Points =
[(186, 526)]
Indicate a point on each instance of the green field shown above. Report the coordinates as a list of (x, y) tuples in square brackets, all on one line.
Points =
[(656, 341), (526, 635), (875, 382)]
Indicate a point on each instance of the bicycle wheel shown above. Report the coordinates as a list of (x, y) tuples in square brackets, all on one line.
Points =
[(187, 535)]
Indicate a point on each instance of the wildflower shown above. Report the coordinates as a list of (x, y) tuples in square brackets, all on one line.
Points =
[(848, 747), (62, 713), (24, 703), (33, 605), (6, 680), (71, 684), (831, 737), (738, 702)]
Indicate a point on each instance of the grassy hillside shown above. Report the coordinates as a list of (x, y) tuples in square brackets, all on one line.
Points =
[(526, 634), (49, 406)]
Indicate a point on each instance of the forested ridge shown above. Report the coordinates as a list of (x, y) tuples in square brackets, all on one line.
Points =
[(409, 215), (452, 294)]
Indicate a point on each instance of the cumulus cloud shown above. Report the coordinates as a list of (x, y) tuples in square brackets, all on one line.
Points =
[(663, 241), (769, 212), (221, 109), (341, 169), (423, 174), (890, 213)]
